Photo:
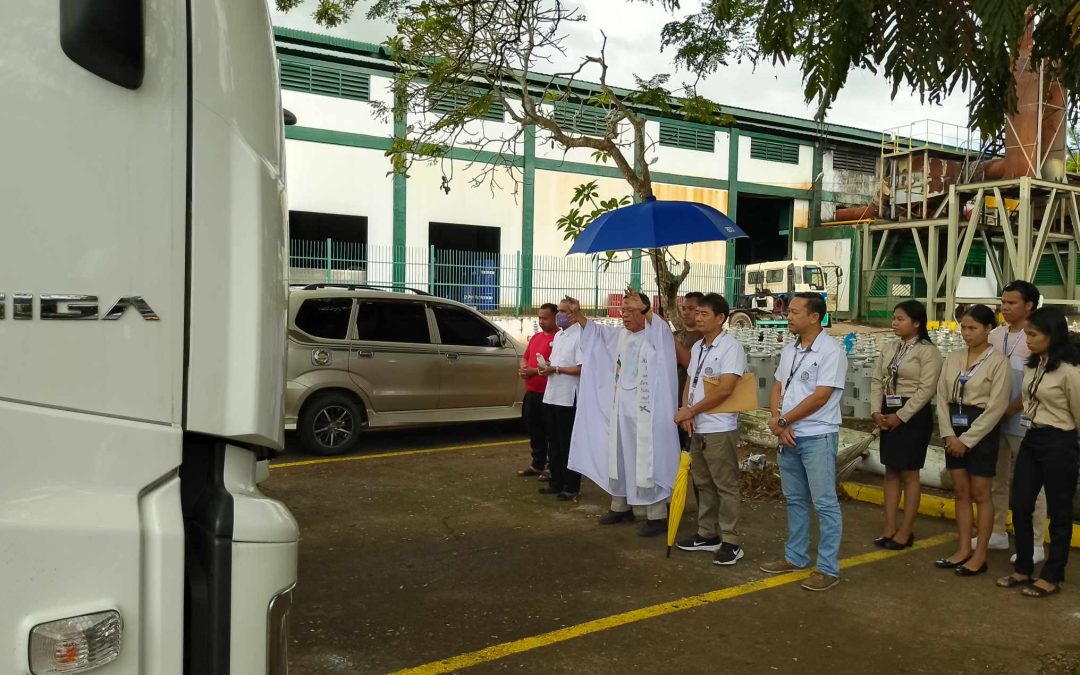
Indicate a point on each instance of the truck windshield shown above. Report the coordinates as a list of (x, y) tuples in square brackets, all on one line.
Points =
[(814, 278)]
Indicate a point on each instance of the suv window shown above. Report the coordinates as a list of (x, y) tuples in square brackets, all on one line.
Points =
[(774, 276), (381, 321), (325, 317), (459, 327)]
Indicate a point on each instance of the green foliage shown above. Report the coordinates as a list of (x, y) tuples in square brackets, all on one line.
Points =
[(1072, 145), (587, 206), (327, 13), (931, 47)]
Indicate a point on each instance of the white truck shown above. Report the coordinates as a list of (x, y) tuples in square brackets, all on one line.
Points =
[(767, 289), (142, 327)]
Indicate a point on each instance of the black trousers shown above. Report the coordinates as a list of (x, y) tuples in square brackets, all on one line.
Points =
[(532, 410), (1048, 458), (561, 428)]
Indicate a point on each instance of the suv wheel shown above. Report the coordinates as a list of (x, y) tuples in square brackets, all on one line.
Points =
[(331, 424)]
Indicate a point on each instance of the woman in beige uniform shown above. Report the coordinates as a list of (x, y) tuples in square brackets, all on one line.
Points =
[(1048, 453), (972, 395), (900, 393)]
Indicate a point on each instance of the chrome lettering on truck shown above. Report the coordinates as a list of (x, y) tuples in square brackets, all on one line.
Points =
[(77, 306)]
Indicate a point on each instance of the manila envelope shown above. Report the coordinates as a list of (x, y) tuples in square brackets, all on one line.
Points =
[(742, 399)]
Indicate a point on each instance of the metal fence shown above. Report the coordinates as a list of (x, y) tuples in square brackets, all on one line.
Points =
[(506, 283), (885, 288)]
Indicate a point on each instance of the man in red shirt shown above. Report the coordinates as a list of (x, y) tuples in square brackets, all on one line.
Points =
[(535, 385)]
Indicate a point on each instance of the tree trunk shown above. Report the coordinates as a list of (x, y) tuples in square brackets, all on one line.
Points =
[(668, 286)]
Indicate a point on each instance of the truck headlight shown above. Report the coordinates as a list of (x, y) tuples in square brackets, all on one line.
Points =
[(76, 644)]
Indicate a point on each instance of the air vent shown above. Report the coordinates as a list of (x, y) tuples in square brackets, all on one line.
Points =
[(774, 151), (675, 135), (328, 81)]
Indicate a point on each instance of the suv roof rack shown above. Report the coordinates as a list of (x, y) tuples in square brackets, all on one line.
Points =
[(366, 287)]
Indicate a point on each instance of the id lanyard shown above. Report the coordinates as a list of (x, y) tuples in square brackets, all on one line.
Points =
[(704, 354), (795, 365), (894, 366), (1005, 347), (1033, 403), (964, 377)]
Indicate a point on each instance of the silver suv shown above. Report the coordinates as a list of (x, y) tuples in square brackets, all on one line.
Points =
[(367, 357)]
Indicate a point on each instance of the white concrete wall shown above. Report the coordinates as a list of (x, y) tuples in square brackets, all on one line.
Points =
[(852, 187), (978, 287), (348, 181), (798, 176), (546, 148), (486, 135), (340, 114), (836, 252), (486, 206), (686, 162), (800, 215)]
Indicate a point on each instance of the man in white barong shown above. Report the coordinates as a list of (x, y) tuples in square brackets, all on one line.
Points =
[(624, 439)]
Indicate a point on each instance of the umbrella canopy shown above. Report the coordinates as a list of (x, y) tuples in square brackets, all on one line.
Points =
[(655, 224), (678, 499)]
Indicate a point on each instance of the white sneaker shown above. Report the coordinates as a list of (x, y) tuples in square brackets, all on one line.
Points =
[(1040, 555), (998, 542)]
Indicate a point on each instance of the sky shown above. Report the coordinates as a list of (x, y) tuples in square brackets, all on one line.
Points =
[(634, 48)]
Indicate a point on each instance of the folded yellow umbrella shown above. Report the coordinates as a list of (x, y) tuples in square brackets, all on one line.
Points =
[(678, 500)]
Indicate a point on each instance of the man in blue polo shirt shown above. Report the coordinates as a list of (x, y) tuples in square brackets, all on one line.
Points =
[(805, 405)]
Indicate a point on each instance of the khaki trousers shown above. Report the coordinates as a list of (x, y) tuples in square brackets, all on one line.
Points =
[(657, 511), (714, 464), (1007, 451)]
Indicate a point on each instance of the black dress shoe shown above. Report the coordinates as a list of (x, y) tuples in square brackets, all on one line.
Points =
[(548, 490), (653, 528), (894, 545), (962, 571), (612, 517), (880, 542), (946, 564)]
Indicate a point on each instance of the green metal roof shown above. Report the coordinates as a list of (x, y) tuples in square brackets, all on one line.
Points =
[(331, 48)]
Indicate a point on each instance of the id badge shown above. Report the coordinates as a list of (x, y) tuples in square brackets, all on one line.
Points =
[(959, 420), (1025, 422), (893, 401)]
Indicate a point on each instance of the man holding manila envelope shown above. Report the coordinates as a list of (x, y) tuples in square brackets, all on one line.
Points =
[(711, 401)]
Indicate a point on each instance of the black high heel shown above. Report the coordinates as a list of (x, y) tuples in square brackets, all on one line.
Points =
[(882, 542)]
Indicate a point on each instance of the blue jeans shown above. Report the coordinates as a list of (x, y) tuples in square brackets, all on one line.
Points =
[(808, 474)]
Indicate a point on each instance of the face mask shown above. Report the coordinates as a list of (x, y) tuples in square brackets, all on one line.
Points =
[(563, 320)]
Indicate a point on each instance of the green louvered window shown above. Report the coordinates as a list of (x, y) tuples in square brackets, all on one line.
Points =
[(581, 119), (1047, 273), (975, 265), (676, 135), (326, 80), (774, 151), (455, 100)]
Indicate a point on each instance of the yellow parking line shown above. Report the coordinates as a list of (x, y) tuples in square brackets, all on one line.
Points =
[(505, 649), (400, 453)]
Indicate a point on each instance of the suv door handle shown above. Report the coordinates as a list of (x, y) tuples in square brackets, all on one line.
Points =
[(451, 356), (365, 354)]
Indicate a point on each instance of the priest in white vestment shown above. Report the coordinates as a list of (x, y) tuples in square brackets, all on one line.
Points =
[(624, 439)]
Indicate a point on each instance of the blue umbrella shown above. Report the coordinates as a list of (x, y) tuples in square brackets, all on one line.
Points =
[(655, 224)]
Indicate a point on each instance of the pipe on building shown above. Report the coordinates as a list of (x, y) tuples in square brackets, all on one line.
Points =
[(865, 212), (847, 222)]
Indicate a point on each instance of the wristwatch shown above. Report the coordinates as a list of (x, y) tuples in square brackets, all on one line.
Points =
[(782, 422)]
